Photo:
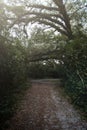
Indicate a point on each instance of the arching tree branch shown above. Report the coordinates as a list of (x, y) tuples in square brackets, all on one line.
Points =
[(53, 26), (43, 7), (56, 17)]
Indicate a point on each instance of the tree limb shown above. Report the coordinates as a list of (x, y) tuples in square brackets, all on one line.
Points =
[(53, 26), (48, 17), (45, 14), (43, 7)]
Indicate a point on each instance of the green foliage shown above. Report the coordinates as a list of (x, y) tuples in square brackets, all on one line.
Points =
[(45, 69), (15, 66), (12, 77), (75, 63)]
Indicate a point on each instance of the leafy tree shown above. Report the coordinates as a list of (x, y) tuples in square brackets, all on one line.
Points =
[(56, 14), (62, 40)]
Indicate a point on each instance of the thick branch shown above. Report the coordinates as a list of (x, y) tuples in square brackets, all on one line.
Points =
[(43, 58), (48, 17), (45, 14), (59, 21), (63, 11), (51, 54), (53, 26), (43, 7), (38, 19), (58, 3), (53, 20)]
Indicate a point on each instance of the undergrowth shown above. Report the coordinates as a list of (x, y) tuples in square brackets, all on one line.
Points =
[(9, 103)]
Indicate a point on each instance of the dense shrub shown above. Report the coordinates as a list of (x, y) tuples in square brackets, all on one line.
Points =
[(75, 63), (47, 69), (12, 77)]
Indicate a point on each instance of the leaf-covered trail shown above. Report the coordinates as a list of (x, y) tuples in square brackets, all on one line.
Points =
[(43, 108)]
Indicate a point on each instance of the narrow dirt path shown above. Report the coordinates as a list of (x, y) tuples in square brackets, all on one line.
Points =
[(43, 108)]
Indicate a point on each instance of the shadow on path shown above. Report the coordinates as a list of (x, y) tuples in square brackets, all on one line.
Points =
[(45, 109)]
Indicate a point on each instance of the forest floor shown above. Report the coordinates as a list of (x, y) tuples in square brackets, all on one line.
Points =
[(45, 108)]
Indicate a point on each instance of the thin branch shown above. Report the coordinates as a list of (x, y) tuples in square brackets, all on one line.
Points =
[(24, 20), (80, 78), (77, 10), (5, 38)]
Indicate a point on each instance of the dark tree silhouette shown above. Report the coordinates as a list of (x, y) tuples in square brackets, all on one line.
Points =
[(54, 15)]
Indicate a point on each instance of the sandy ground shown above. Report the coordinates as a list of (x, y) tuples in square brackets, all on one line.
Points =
[(44, 108)]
